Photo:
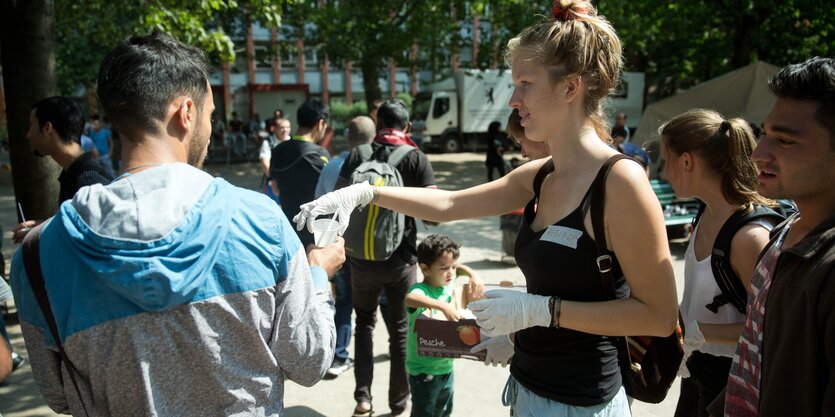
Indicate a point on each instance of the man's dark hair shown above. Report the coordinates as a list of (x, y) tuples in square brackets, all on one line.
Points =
[(393, 114), (310, 112), (812, 80), (434, 246), (65, 116), (139, 78)]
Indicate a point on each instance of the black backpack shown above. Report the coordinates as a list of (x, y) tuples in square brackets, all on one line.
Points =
[(733, 290)]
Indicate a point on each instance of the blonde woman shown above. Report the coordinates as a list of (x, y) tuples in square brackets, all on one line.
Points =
[(709, 158), (564, 360)]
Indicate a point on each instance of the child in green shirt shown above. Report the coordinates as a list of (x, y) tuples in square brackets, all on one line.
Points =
[(430, 379)]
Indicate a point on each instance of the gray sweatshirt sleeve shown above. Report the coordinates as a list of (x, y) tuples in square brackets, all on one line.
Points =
[(305, 336), (46, 368)]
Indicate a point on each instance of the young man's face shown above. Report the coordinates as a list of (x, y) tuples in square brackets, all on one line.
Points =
[(441, 272), (795, 155), (199, 145), (39, 140)]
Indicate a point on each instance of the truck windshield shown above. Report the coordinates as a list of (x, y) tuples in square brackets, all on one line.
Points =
[(441, 107)]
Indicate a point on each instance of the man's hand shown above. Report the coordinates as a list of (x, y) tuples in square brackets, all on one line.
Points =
[(21, 229), (342, 202), (330, 258)]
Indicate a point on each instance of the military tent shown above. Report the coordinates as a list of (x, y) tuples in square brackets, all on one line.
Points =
[(740, 93)]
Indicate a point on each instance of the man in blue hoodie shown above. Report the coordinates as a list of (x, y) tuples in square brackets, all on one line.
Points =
[(174, 293)]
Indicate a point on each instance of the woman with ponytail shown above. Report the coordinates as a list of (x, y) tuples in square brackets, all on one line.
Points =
[(559, 334), (709, 158)]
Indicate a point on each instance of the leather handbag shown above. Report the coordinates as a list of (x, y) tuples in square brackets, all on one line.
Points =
[(648, 364)]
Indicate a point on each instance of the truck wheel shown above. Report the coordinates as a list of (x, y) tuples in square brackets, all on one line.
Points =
[(450, 144)]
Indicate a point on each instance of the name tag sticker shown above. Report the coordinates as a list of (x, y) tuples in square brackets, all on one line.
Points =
[(562, 236)]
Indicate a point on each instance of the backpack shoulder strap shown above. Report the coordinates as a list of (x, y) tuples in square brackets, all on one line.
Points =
[(732, 289), (698, 214), (365, 151), (398, 153), (32, 265)]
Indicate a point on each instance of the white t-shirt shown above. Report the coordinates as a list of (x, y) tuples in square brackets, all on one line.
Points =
[(267, 146), (699, 290)]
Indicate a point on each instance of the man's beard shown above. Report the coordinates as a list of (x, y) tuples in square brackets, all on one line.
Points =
[(197, 150)]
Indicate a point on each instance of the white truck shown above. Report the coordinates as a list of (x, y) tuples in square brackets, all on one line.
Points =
[(457, 111), (462, 107)]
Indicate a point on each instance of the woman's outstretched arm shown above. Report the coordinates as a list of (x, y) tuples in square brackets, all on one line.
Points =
[(501, 196)]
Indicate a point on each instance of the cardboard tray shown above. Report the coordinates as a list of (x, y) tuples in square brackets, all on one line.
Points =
[(448, 339)]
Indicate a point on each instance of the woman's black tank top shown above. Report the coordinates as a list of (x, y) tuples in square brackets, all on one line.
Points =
[(565, 365)]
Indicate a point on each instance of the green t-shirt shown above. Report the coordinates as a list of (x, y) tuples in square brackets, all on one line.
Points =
[(415, 364)]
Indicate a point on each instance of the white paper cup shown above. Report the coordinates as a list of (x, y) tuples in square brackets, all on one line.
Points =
[(324, 232)]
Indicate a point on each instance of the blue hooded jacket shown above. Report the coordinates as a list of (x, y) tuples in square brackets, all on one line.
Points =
[(175, 293)]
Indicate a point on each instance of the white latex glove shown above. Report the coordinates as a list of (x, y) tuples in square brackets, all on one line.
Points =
[(683, 371), (499, 350), (503, 312), (342, 202), (693, 338), (693, 341)]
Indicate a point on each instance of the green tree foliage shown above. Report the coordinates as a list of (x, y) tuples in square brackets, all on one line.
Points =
[(87, 30), (681, 43)]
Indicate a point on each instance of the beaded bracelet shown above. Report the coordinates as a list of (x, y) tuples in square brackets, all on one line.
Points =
[(554, 305)]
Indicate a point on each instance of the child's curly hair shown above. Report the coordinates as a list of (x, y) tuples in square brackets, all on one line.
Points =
[(434, 246)]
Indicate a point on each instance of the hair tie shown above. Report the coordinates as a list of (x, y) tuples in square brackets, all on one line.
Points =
[(564, 15), (724, 127)]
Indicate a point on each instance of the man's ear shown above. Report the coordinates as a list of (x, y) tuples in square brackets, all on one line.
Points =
[(573, 88), (47, 128), (186, 114), (408, 128), (320, 125)]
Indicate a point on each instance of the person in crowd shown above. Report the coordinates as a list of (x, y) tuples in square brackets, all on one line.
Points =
[(360, 131), (620, 129), (785, 359), (265, 154), (103, 138), (564, 360), (496, 146), (295, 164), (55, 125), (709, 158), (256, 127), (283, 129), (394, 276), (174, 293), (530, 149), (278, 114), (431, 381), (237, 140), (87, 145)]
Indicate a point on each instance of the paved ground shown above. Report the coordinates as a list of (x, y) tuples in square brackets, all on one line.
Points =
[(477, 387)]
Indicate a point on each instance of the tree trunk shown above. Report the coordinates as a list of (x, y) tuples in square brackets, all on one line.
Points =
[(370, 67), (28, 59)]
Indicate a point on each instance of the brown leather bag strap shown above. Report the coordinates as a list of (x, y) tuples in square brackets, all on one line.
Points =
[(605, 260), (547, 168), (32, 265)]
